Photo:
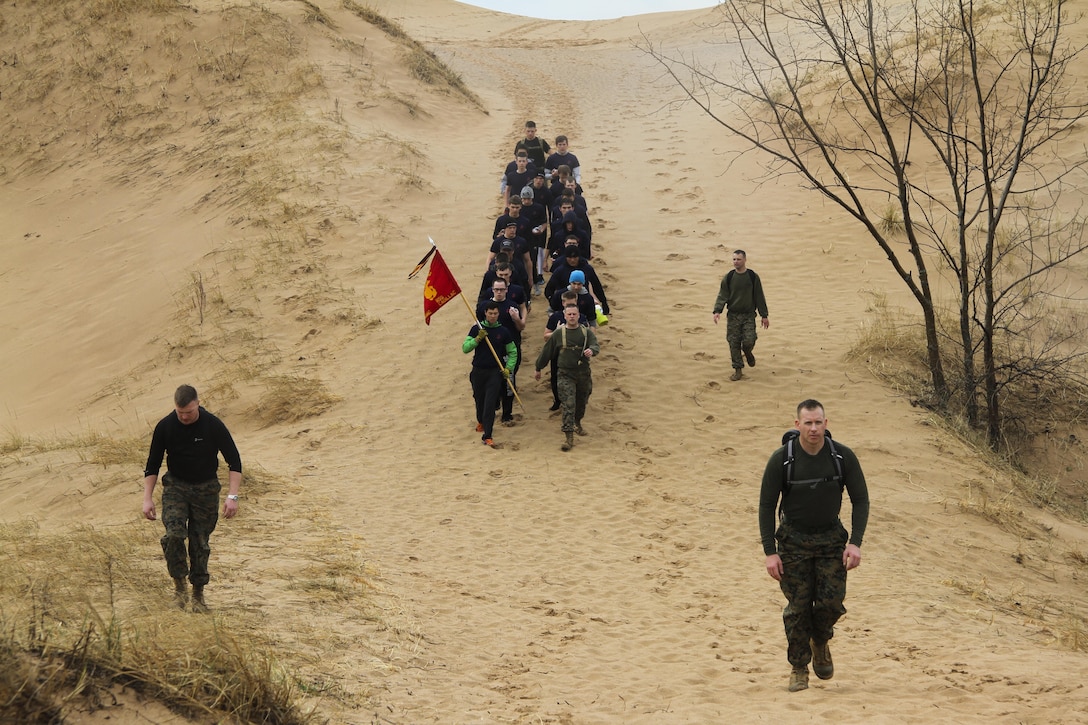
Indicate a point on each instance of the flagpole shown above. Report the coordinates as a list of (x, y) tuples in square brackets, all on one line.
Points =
[(491, 347)]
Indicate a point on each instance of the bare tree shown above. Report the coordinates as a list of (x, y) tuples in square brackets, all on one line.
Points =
[(938, 127)]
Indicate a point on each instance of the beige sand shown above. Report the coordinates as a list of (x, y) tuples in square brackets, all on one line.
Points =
[(621, 582)]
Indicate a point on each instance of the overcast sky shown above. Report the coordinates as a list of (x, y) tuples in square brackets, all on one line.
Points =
[(588, 9)]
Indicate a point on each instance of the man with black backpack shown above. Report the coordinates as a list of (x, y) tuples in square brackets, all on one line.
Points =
[(810, 552)]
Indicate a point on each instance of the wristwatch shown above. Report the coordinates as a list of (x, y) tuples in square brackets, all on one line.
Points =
[(232, 496)]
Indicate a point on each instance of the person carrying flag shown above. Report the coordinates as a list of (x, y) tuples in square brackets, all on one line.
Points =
[(488, 374)]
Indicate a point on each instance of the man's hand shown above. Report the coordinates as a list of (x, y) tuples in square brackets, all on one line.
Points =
[(536, 375), (506, 373), (230, 508), (774, 567), (588, 353), (149, 510), (764, 321), (851, 557), (481, 335), (717, 316)]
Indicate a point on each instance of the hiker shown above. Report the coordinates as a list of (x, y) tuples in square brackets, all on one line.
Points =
[(810, 552), (571, 346), (569, 262), (536, 147), (556, 318), (516, 180), (513, 213), (585, 302), (518, 249), (191, 438), (512, 316), (488, 376), (563, 157), (741, 294)]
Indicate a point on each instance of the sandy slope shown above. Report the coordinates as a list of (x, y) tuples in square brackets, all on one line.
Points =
[(622, 582)]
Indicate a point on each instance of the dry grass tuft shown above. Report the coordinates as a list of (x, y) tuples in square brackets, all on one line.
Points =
[(290, 398), (80, 617), (314, 14)]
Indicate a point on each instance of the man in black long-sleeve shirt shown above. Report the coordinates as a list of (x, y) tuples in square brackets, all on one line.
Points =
[(191, 438), (811, 551)]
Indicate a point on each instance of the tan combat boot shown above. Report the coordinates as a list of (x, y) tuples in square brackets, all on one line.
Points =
[(821, 660), (569, 442), (198, 599), (181, 592), (799, 679)]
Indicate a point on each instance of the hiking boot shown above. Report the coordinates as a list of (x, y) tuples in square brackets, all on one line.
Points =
[(799, 679), (490, 442), (181, 592), (750, 358), (580, 430), (821, 660), (199, 605), (737, 375), (479, 427), (508, 422), (569, 442)]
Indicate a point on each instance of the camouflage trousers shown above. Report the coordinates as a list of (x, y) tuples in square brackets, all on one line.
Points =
[(575, 387), (814, 582), (189, 511), (740, 333)]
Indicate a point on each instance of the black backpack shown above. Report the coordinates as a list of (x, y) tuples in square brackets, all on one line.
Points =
[(788, 439)]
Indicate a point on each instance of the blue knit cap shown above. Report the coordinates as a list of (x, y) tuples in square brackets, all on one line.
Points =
[(577, 276)]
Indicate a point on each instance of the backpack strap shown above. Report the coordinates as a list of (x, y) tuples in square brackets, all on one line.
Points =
[(789, 438)]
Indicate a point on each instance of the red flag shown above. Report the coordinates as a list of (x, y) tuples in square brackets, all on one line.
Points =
[(440, 288)]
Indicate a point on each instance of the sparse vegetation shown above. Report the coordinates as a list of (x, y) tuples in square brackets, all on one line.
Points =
[(945, 142), (82, 614), (892, 347), (423, 63), (290, 398)]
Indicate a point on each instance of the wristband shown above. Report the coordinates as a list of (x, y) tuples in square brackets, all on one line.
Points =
[(232, 496)]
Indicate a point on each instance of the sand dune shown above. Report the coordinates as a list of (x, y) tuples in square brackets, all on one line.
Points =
[(622, 582)]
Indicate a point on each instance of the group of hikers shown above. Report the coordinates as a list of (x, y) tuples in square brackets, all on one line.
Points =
[(544, 231)]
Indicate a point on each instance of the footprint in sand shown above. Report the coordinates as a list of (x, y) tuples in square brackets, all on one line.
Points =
[(679, 281), (676, 257), (704, 356), (714, 385), (694, 330), (470, 497)]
